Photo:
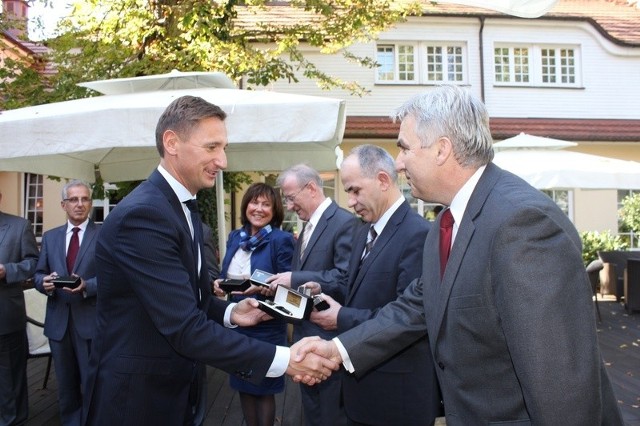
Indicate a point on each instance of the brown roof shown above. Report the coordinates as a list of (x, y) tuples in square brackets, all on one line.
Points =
[(368, 127), (615, 19)]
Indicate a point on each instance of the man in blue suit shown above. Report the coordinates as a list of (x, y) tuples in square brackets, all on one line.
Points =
[(18, 257), (70, 323), (156, 317), (321, 256), (386, 256)]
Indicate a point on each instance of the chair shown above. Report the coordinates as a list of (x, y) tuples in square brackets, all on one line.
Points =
[(632, 286), (593, 270), (36, 304)]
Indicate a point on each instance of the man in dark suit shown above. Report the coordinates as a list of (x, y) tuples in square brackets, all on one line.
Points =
[(509, 315), (326, 238), (70, 322), (18, 258), (155, 311), (386, 256)]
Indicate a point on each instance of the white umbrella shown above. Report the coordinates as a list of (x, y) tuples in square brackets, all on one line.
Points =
[(521, 8), (173, 80), (544, 164), (115, 134), (527, 141)]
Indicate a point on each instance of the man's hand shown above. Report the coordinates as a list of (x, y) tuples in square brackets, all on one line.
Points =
[(313, 287), (327, 319), (3, 271), (79, 289), (310, 368), (47, 285), (283, 278), (246, 313)]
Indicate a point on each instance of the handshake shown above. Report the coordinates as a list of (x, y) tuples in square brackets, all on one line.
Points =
[(311, 360)]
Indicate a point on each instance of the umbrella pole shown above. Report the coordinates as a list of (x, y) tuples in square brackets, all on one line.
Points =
[(222, 234)]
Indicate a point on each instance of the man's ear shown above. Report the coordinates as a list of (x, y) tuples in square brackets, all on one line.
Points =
[(444, 149), (170, 142), (385, 180)]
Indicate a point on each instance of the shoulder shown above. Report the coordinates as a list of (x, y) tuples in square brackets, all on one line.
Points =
[(13, 220), (280, 235), (58, 230)]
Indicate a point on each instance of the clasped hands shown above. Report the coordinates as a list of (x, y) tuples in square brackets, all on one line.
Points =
[(311, 359)]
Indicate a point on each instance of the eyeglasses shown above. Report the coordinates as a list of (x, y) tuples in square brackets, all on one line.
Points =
[(76, 200), (286, 199)]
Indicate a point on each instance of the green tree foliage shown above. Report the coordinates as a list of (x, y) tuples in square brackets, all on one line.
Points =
[(594, 241), (260, 42), (630, 213)]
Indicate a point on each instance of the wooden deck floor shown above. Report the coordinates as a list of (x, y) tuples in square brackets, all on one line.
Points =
[(619, 336)]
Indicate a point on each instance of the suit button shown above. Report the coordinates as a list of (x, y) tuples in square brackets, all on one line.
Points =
[(441, 365)]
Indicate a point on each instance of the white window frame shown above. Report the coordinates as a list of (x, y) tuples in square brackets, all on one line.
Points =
[(537, 65), (558, 196), (421, 71), (33, 202), (633, 238)]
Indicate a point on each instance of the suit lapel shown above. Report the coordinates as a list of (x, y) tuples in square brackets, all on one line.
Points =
[(161, 183), (89, 235), (381, 242), (466, 229), (316, 233)]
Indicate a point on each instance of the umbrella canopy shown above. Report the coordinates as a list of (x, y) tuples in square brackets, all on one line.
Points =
[(174, 80), (521, 8), (115, 134), (527, 141), (545, 165)]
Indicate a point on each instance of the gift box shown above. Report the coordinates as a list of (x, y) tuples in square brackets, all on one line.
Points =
[(288, 304), (69, 281)]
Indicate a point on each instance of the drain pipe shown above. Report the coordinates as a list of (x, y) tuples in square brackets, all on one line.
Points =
[(481, 52)]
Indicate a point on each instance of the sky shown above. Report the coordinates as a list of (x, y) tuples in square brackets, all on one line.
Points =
[(49, 15)]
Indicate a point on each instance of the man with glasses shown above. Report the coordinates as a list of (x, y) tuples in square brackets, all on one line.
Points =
[(322, 256), (68, 251)]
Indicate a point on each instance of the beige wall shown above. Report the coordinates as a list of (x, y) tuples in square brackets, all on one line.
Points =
[(595, 210), (11, 188)]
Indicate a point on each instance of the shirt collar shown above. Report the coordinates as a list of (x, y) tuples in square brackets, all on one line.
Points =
[(82, 226), (315, 216), (181, 192), (461, 199), (382, 222)]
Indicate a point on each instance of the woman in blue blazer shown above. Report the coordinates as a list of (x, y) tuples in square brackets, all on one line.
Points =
[(259, 244)]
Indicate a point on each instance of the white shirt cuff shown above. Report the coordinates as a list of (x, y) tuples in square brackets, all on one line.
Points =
[(280, 362), (346, 361), (227, 316)]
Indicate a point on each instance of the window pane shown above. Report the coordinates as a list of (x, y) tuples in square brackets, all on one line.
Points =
[(33, 201), (386, 64), (501, 59), (406, 63), (434, 63)]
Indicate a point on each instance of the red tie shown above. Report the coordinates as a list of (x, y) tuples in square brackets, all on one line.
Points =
[(446, 230), (72, 252)]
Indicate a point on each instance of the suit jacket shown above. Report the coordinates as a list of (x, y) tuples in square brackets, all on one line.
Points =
[(325, 260), (511, 325), (154, 316), (19, 255), (403, 389), (210, 252), (61, 303)]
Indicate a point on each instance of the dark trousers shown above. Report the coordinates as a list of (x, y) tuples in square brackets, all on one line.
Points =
[(322, 403), (14, 406), (71, 361)]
